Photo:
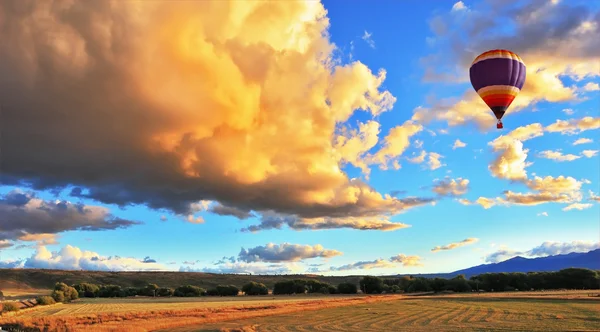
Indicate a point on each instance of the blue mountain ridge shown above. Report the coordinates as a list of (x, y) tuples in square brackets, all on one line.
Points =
[(588, 260)]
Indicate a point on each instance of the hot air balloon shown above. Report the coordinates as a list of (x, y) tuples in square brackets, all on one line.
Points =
[(497, 76)]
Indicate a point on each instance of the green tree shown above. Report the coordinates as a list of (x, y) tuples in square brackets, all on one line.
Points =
[(228, 290), (255, 288), (347, 288), (189, 291), (371, 285)]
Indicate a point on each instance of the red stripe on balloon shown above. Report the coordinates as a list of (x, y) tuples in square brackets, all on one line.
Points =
[(499, 100)]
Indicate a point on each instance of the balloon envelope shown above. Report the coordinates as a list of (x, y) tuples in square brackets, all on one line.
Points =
[(497, 76)]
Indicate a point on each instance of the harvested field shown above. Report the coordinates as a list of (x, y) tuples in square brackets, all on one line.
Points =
[(432, 314), (560, 311), (144, 304)]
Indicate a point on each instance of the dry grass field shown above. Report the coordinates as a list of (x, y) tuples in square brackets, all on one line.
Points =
[(471, 313), (519, 311)]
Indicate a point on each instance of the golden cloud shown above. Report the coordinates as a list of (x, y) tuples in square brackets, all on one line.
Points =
[(455, 245), (240, 103)]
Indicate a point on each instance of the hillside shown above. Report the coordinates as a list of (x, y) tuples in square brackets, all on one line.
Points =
[(42, 279), (588, 260), (45, 279)]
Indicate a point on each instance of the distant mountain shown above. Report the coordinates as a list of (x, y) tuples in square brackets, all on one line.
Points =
[(588, 260)]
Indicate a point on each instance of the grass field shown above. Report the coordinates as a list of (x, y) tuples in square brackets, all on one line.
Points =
[(432, 314), (518, 311), (88, 306)]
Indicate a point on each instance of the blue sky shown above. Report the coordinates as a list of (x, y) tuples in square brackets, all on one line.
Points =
[(186, 118)]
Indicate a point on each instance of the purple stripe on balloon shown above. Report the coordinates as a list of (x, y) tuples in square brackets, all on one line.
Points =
[(497, 71)]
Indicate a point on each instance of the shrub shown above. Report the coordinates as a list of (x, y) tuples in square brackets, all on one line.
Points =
[(69, 293), (228, 290), (212, 292), (419, 285), (255, 288), (347, 288), (290, 287), (87, 290), (189, 291), (10, 306), (45, 300), (111, 291), (58, 296), (164, 291)]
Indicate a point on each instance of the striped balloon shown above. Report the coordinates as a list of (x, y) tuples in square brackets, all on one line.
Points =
[(498, 76)]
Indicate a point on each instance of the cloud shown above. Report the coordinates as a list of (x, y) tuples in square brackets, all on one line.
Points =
[(548, 248), (367, 38), (352, 145), (395, 143), (591, 87), (223, 210), (147, 259), (455, 245), (510, 163), (73, 258), (451, 187), (204, 96), (245, 268), (557, 156), (568, 111), (589, 153), (285, 252), (583, 141), (459, 6), (577, 206), (6, 244), (277, 221), (406, 260), (458, 144), (574, 126), (380, 263), (542, 214), (28, 218), (163, 218), (434, 161)]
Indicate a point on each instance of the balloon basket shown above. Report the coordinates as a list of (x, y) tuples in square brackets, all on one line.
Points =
[(499, 125)]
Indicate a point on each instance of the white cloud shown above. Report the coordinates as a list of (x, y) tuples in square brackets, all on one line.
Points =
[(557, 156), (577, 206), (582, 141), (458, 144), (589, 153), (591, 87), (459, 6), (73, 258), (455, 245), (367, 37), (542, 214)]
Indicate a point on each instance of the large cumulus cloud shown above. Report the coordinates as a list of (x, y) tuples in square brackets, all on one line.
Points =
[(167, 104)]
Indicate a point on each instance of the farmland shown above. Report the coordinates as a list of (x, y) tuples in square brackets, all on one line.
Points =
[(433, 314), (525, 311)]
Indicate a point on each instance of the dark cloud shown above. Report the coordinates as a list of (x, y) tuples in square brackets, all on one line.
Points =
[(23, 216), (147, 259), (226, 259), (6, 244), (285, 253), (223, 210)]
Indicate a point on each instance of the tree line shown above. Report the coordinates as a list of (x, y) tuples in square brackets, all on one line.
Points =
[(572, 278)]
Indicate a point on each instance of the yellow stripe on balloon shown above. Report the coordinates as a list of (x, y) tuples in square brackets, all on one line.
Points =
[(498, 89), (498, 54)]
